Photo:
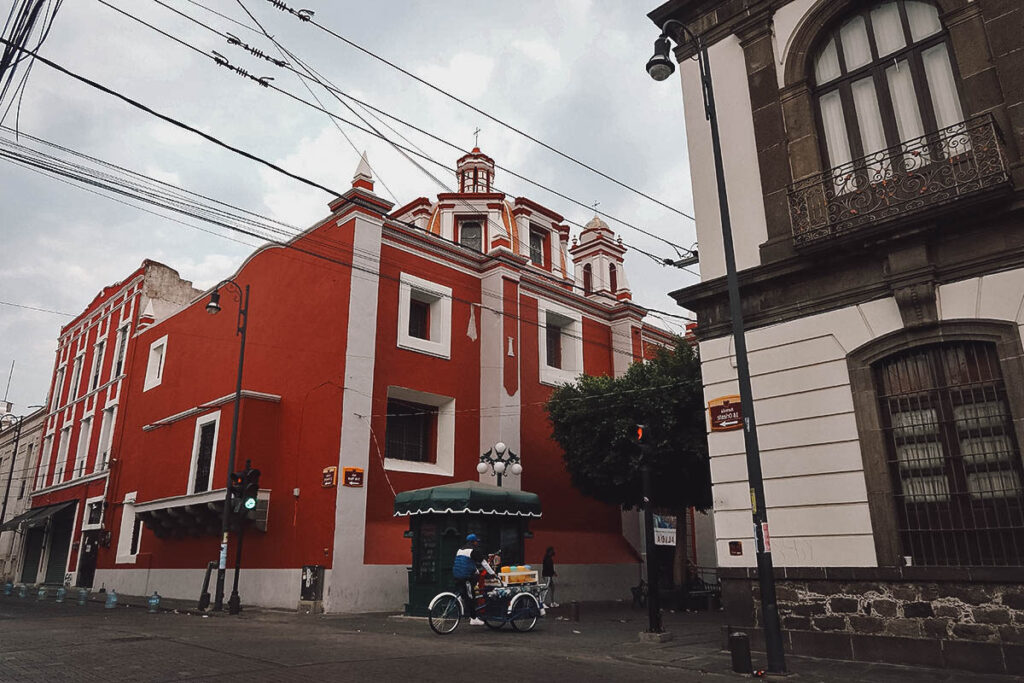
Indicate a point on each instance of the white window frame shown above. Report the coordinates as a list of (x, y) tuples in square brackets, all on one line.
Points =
[(444, 462), (45, 453), (571, 323), (120, 352), (156, 363), (439, 298), (124, 535), (99, 351), (58, 387), (76, 376), (89, 502), (82, 451), (60, 467), (106, 438), (200, 422)]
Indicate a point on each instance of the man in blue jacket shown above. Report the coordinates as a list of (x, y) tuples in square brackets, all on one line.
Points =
[(469, 560)]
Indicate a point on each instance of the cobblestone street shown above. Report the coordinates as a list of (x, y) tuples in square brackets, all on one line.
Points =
[(45, 641)]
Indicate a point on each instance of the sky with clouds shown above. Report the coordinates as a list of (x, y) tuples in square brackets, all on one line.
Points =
[(569, 73)]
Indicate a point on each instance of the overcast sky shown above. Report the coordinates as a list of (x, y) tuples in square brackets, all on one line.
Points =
[(569, 72)]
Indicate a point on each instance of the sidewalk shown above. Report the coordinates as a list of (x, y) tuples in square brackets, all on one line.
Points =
[(697, 641), (613, 630)]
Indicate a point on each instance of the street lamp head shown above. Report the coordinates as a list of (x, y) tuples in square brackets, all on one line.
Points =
[(516, 468), (481, 468), (660, 66), (213, 308), (499, 467), (500, 448)]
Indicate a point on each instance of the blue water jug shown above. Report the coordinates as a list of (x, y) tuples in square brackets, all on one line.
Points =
[(22, 591), (153, 602), (61, 592), (8, 588), (83, 595), (111, 602), (41, 595)]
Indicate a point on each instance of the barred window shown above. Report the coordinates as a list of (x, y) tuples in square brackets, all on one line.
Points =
[(410, 431), (953, 456)]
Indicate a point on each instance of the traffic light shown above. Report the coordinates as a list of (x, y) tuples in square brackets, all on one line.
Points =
[(235, 486), (250, 487), (642, 435)]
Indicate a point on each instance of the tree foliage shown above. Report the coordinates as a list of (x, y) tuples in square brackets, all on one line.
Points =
[(594, 420)]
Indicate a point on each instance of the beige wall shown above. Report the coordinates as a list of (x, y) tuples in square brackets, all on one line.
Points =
[(810, 452), (739, 159)]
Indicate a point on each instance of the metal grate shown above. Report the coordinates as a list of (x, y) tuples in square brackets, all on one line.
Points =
[(953, 456), (919, 174)]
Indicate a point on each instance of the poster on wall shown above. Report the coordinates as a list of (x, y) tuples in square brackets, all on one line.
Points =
[(664, 529)]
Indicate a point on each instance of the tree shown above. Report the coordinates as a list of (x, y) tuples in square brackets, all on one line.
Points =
[(594, 420)]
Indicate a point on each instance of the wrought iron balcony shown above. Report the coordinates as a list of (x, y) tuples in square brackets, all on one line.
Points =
[(964, 160)]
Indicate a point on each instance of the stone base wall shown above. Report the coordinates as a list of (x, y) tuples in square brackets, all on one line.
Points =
[(926, 616)]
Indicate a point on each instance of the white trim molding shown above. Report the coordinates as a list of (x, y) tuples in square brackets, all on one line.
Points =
[(571, 324), (444, 462), (439, 299), (156, 363)]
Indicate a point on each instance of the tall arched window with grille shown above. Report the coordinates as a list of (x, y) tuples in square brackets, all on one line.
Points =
[(588, 279), (953, 457), (883, 79)]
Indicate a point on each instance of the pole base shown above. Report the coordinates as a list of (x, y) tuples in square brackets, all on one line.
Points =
[(204, 600), (652, 637), (234, 604)]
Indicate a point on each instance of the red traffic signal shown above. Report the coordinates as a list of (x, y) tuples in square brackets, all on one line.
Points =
[(642, 434)]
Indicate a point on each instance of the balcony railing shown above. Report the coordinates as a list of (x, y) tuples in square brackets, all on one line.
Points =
[(963, 160)]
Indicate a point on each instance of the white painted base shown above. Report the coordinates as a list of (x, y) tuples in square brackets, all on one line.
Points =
[(278, 588), (377, 588)]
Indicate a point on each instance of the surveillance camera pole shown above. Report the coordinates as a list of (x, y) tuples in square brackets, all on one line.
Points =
[(765, 570)]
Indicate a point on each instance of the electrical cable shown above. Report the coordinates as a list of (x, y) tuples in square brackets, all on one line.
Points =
[(337, 92), (655, 258), (308, 19), (248, 155)]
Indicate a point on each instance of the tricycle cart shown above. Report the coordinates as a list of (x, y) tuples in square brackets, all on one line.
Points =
[(519, 603)]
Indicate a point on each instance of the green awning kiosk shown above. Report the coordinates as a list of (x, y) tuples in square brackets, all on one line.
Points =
[(440, 517)]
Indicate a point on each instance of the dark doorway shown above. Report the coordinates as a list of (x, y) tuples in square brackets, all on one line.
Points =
[(33, 551), (61, 526), (87, 558)]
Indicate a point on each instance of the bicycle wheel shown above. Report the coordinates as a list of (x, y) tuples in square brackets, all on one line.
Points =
[(524, 612), (444, 614)]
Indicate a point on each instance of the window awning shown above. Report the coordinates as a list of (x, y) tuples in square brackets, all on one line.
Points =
[(36, 516), (467, 497)]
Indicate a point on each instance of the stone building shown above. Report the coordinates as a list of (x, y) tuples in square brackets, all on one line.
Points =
[(874, 173), (19, 450)]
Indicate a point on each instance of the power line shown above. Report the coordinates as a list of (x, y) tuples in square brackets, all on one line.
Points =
[(336, 92), (264, 82), (309, 19), (248, 155), (35, 308)]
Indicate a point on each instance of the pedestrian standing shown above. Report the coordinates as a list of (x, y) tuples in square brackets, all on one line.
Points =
[(549, 573)]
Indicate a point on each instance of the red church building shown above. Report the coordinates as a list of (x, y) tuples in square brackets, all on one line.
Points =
[(394, 345)]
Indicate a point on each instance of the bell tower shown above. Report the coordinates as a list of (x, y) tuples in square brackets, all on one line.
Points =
[(475, 172), (597, 257)]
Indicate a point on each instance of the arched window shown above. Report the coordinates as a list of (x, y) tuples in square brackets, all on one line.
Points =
[(883, 77), (588, 279), (613, 278), (953, 458)]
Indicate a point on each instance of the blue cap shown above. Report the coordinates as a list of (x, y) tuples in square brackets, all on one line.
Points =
[(471, 537)]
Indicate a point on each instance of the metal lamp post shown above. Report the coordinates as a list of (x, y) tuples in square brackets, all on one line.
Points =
[(500, 460), (660, 67), (213, 307)]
